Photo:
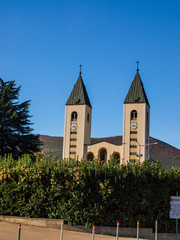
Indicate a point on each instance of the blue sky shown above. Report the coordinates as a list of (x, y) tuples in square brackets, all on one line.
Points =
[(43, 42)]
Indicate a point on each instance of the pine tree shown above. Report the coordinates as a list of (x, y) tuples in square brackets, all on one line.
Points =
[(16, 136)]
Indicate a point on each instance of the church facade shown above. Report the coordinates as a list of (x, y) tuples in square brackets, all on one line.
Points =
[(77, 126)]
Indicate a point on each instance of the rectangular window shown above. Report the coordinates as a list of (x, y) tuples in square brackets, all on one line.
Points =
[(133, 132), (73, 139), (73, 132), (133, 146), (72, 146), (133, 153), (72, 153), (132, 160), (133, 139)]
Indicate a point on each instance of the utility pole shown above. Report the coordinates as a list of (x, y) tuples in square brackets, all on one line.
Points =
[(140, 155)]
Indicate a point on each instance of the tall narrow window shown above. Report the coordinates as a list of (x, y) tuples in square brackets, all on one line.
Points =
[(102, 155), (74, 116), (90, 156), (117, 157), (88, 117), (134, 115)]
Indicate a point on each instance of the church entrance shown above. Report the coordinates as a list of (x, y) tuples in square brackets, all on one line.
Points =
[(117, 157), (102, 155), (89, 156)]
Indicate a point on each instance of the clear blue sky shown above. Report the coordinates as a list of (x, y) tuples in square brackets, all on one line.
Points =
[(42, 43)]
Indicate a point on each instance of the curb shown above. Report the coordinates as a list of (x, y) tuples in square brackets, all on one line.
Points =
[(38, 222)]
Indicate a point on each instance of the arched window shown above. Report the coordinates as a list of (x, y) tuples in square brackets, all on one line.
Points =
[(102, 155), (74, 116), (117, 157), (88, 117), (134, 115), (90, 156)]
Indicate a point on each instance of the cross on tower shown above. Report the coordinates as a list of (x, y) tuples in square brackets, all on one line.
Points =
[(80, 68), (137, 65)]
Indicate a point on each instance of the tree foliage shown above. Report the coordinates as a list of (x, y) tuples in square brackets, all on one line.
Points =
[(89, 193), (15, 132)]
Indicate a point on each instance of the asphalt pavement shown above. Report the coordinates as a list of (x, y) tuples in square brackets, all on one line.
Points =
[(9, 231)]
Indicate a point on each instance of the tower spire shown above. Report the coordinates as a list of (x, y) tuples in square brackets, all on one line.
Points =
[(79, 94), (136, 93)]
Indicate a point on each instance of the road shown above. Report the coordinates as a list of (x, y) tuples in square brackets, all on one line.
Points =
[(9, 231)]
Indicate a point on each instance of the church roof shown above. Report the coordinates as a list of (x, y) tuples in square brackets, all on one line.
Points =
[(79, 94), (136, 92), (117, 140)]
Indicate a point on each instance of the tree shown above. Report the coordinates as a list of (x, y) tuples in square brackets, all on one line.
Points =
[(16, 136)]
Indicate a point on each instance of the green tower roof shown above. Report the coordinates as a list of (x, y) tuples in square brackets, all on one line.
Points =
[(79, 94), (136, 92)]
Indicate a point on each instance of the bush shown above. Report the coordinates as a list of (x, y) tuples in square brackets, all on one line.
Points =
[(88, 193)]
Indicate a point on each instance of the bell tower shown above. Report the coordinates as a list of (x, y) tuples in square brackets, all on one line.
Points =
[(77, 125), (136, 112)]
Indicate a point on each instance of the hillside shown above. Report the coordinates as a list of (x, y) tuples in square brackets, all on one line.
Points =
[(169, 155)]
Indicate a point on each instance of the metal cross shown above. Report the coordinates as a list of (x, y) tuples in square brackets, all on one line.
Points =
[(80, 67), (137, 65)]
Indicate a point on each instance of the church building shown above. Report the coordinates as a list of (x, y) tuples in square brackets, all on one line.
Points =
[(77, 127)]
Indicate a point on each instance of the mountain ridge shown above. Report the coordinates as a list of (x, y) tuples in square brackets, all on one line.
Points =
[(164, 152)]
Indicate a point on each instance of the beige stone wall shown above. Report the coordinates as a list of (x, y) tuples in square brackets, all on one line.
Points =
[(142, 131), (87, 126), (110, 148), (83, 130), (147, 131)]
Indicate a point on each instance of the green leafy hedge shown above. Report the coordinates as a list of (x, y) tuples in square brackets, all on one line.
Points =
[(88, 193)]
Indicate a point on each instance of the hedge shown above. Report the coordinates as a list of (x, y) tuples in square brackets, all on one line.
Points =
[(87, 193)]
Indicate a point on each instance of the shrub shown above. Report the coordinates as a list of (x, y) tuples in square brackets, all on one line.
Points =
[(88, 193)]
